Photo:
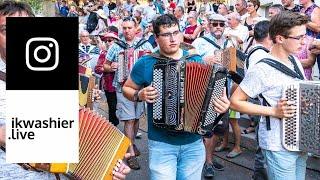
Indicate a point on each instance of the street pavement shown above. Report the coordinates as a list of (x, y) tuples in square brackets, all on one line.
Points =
[(239, 168)]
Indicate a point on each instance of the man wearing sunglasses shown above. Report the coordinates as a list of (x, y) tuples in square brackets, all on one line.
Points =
[(206, 46)]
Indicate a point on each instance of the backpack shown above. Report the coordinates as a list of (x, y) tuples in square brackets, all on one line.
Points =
[(92, 22)]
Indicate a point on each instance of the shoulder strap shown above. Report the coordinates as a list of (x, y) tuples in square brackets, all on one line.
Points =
[(296, 68), (122, 44), (252, 51), (265, 103), (282, 68), (140, 43), (2, 76), (211, 42)]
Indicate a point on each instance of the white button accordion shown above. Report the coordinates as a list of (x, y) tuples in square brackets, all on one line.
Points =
[(302, 131)]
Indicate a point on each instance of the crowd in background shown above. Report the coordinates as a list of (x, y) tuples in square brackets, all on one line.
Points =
[(100, 24)]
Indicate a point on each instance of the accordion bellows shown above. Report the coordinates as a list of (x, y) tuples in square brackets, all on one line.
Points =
[(302, 131), (186, 92), (86, 85), (101, 145)]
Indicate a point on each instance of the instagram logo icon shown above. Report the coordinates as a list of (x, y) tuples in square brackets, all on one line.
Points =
[(42, 54)]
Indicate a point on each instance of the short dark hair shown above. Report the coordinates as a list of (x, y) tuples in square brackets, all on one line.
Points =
[(281, 23), (277, 6), (261, 30), (166, 20), (8, 8), (255, 3), (113, 29)]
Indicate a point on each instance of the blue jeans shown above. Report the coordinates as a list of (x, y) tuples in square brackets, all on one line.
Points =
[(171, 162), (285, 165)]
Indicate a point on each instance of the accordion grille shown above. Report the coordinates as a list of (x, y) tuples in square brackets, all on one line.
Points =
[(101, 145), (198, 77)]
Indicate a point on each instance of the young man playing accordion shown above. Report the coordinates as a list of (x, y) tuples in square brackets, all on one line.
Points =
[(171, 155), (287, 31)]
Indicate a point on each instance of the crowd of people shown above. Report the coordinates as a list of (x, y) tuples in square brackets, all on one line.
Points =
[(290, 35)]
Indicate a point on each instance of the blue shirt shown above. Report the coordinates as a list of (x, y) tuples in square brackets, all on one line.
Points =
[(141, 75)]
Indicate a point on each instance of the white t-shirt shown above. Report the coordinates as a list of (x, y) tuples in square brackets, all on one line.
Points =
[(255, 57), (270, 82), (240, 31)]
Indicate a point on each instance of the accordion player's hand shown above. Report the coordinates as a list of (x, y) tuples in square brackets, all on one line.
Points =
[(121, 170), (148, 94), (222, 105), (285, 109)]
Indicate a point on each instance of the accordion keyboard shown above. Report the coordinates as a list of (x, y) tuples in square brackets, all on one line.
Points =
[(291, 125), (302, 131)]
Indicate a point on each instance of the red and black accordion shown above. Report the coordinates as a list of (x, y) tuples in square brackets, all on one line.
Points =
[(186, 92), (126, 59), (302, 131)]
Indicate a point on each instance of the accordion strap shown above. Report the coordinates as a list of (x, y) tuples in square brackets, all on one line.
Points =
[(2, 76), (284, 69), (254, 49)]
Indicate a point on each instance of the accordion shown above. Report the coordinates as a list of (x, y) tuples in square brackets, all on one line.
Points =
[(186, 92), (126, 59), (232, 59), (302, 132), (86, 85), (101, 145)]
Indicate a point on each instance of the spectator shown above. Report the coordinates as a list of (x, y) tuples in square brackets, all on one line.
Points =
[(275, 9), (223, 9), (290, 6), (241, 8), (190, 34)]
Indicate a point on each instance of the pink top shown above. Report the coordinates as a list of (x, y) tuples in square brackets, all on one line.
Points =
[(303, 56)]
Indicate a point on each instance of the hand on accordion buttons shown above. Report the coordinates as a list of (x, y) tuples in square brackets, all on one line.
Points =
[(212, 59), (285, 108), (121, 170), (114, 66), (148, 94), (222, 105)]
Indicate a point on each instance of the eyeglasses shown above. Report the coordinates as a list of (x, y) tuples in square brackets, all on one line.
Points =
[(301, 37), (85, 36), (215, 24), (109, 40), (90, 6), (168, 34)]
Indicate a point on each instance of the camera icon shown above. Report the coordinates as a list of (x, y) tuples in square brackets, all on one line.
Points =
[(42, 54)]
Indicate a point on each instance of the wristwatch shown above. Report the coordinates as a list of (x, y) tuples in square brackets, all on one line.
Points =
[(136, 96)]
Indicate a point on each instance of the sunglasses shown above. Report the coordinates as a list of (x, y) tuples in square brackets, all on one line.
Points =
[(109, 40), (215, 24)]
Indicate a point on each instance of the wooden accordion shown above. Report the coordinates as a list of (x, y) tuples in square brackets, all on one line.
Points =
[(100, 146), (232, 59), (86, 85), (126, 59), (186, 92), (302, 132)]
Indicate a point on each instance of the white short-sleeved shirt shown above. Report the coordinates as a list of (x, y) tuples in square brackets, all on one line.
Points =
[(270, 82), (240, 31), (255, 57)]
